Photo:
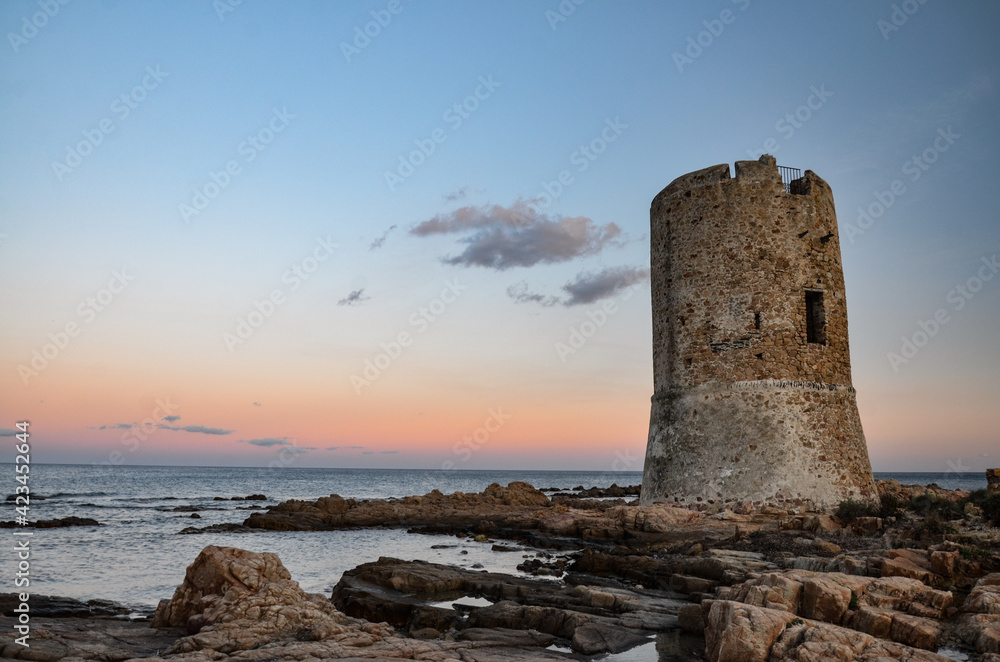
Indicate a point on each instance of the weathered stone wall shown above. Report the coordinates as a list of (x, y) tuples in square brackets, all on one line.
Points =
[(745, 407)]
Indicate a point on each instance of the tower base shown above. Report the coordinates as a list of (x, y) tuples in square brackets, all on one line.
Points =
[(763, 441)]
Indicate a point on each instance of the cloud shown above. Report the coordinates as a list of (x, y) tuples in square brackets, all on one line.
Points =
[(118, 426), (198, 429), (589, 287), (267, 442), (368, 452), (521, 294), (354, 298), (8, 432), (343, 448), (389, 452), (458, 195), (296, 450), (500, 237), (379, 241), (256, 404)]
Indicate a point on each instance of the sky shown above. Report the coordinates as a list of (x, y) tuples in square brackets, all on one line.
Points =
[(408, 234)]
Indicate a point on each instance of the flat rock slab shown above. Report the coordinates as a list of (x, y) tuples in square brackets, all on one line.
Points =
[(86, 639)]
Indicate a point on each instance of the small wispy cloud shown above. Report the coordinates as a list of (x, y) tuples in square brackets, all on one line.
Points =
[(378, 242), (521, 294), (354, 298), (256, 404), (8, 432), (267, 442), (460, 194), (197, 429), (587, 287)]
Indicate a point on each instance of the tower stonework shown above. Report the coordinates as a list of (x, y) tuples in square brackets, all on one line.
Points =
[(752, 372)]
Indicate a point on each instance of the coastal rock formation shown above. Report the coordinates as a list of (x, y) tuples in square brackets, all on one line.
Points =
[(904, 610), (738, 632), (75, 638), (53, 523), (752, 376), (232, 599), (504, 511), (54, 606), (591, 619), (766, 582), (234, 603), (334, 512), (980, 625)]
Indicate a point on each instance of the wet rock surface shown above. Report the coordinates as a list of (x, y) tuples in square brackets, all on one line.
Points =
[(53, 523), (54, 606), (589, 619), (85, 638)]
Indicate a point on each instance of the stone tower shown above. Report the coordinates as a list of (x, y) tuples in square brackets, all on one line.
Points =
[(752, 372)]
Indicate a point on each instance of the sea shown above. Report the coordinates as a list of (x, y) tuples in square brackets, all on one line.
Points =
[(137, 558)]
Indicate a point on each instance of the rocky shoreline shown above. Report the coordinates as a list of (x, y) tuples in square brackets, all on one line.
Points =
[(917, 577)]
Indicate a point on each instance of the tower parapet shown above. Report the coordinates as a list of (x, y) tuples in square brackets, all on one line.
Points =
[(752, 375)]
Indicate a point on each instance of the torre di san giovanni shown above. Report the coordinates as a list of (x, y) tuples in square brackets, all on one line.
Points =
[(751, 366)]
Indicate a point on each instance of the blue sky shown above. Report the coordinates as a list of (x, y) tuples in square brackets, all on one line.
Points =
[(199, 82)]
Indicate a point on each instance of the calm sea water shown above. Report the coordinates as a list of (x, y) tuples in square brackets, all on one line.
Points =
[(137, 558)]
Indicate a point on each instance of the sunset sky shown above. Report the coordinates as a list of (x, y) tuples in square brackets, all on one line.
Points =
[(365, 234)]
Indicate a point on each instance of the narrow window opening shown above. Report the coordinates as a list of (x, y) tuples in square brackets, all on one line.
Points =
[(815, 318), (756, 321)]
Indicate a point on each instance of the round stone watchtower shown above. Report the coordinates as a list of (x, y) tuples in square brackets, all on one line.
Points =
[(752, 372)]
